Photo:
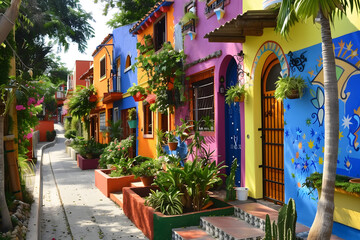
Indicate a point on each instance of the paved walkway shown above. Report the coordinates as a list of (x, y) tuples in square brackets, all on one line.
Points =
[(73, 208)]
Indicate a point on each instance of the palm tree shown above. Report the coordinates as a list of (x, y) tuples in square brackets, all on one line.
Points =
[(322, 11)]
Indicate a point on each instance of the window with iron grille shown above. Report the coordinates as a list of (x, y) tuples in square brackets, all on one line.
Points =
[(160, 33), (118, 78), (102, 121), (213, 4), (102, 67), (203, 101)]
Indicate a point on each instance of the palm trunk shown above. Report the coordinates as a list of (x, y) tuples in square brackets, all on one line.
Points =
[(323, 223), (5, 215), (8, 19)]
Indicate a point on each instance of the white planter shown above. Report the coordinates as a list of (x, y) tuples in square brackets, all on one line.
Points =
[(242, 193)]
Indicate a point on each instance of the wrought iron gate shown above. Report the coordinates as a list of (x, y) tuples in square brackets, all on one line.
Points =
[(272, 134)]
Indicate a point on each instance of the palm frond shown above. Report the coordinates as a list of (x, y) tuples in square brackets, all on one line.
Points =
[(286, 17)]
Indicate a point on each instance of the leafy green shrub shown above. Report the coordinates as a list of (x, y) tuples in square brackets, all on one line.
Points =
[(230, 182), (71, 133), (148, 168), (123, 167), (90, 149), (115, 151), (67, 123), (168, 203), (50, 136)]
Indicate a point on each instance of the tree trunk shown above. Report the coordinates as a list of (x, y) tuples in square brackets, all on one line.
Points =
[(323, 223), (5, 215), (8, 19)]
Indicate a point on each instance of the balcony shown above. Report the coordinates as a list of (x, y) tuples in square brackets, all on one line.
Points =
[(112, 97), (60, 95)]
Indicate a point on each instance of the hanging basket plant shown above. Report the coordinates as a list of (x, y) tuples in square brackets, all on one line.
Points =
[(289, 87), (132, 116), (137, 92), (235, 94)]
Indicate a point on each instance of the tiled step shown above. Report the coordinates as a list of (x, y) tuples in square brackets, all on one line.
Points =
[(193, 233), (136, 184), (230, 228)]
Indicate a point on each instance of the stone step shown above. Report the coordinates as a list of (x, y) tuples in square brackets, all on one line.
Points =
[(117, 197), (137, 184), (187, 233), (230, 228)]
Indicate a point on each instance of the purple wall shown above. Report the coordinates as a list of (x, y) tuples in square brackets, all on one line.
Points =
[(200, 48)]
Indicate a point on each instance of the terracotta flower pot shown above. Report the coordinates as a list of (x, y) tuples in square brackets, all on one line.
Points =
[(239, 99), (147, 181), (93, 98), (172, 146), (355, 180), (139, 97)]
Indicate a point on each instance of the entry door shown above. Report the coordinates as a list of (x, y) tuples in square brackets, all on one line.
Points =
[(272, 133), (232, 125)]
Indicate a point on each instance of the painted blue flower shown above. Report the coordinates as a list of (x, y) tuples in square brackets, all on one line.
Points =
[(317, 147), (286, 133), (312, 132), (318, 139), (305, 167), (288, 107), (298, 133)]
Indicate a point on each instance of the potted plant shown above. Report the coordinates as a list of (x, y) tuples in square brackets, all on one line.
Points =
[(132, 116), (183, 130), (289, 87), (89, 153), (146, 171), (138, 92), (235, 94), (172, 141)]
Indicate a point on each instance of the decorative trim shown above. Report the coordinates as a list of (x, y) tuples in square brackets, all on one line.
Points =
[(208, 57)]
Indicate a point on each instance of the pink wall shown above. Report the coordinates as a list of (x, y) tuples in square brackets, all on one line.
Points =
[(199, 48)]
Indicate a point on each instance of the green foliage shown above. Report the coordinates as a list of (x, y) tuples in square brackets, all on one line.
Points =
[(135, 89), (129, 10), (114, 130), (286, 224), (314, 181), (168, 203), (162, 68), (67, 123), (188, 16), (89, 148), (71, 133), (192, 182), (230, 182), (234, 92), (198, 147), (148, 168), (123, 167), (80, 105), (115, 151), (132, 114), (160, 141), (5, 56), (183, 130), (170, 136), (286, 85), (50, 136)]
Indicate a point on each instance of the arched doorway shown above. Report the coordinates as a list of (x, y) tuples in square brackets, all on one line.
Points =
[(232, 125), (272, 133)]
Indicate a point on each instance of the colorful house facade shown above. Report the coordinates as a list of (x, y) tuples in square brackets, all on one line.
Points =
[(103, 74), (211, 68), (159, 24), (124, 56), (284, 141)]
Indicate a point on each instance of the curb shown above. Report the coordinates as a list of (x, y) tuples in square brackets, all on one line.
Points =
[(34, 226)]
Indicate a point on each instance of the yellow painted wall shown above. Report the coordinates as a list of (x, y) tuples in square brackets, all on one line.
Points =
[(148, 145), (301, 36), (101, 84)]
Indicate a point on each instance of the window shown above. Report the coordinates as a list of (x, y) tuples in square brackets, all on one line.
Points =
[(148, 121), (160, 33), (203, 101), (213, 4), (103, 67), (118, 78), (127, 63), (102, 121), (190, 25), (116, 115)]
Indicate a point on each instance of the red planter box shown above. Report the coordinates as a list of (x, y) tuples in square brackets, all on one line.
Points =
[(84, 163), (43, 127), (107, 184)]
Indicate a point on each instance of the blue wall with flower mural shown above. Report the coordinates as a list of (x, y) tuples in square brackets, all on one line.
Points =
[(304, 122)]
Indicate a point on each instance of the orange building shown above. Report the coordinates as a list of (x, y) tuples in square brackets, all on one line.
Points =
[(102, 80), (158, 23)]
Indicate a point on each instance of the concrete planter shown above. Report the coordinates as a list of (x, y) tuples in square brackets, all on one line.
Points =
[(156, 225), (107, 184), (73, 154), (85, 164)]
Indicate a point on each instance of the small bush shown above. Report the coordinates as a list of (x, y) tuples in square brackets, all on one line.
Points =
[(67, 124), (50, 136), (70, 134)]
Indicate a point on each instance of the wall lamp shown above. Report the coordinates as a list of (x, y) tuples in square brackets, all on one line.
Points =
[(221, 86)]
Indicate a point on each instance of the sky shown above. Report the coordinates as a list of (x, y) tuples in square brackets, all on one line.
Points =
[(101, 30)]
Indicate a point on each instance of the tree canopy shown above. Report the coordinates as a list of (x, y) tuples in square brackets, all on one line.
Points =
[(129, 10)]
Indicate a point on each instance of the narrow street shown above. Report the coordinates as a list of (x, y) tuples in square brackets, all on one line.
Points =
[(73, 208)]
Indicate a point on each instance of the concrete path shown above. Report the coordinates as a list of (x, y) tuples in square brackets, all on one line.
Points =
[(73, 208)]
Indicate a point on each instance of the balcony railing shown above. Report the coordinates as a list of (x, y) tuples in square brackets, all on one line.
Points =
[(60, 95)]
